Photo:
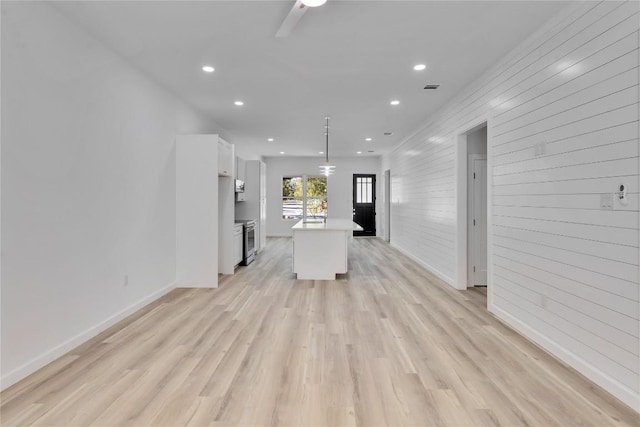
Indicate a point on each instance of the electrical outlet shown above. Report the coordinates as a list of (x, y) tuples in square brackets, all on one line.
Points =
[(606, 201), (126, 280)]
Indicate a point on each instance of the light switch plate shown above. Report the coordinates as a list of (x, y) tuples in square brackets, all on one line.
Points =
[(606, 201)]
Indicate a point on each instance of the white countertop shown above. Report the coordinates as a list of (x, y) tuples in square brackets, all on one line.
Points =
[(331, 224)]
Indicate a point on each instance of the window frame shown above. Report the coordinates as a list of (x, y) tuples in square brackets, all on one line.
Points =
[(304, 195)]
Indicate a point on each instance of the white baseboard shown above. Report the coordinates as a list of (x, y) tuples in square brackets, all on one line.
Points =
[(49, 356), (620, 391), (198, 285), (435, 271)]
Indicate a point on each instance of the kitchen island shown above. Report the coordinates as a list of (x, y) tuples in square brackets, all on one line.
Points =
[(320, 249)]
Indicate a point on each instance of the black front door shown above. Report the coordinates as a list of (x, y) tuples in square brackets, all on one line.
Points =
[(364, 204)]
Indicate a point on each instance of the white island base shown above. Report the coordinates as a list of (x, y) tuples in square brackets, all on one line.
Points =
[(320, 249)]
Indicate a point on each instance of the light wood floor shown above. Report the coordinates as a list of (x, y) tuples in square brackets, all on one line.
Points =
[(387, 344)]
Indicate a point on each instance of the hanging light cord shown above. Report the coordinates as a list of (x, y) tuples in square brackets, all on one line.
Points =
[(326, 168), (326, 134)]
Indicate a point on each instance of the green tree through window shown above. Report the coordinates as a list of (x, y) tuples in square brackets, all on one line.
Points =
[(316, 196), (304, 197)]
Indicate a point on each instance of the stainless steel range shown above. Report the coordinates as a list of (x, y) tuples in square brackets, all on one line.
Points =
[(249, 240)]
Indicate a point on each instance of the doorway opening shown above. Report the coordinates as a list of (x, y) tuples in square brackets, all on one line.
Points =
[(364, 204), (472, 207)]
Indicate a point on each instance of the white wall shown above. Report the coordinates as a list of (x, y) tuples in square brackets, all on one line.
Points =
[(88, 186), (339, 186), (561, 270), (477, 141), (245, 152)]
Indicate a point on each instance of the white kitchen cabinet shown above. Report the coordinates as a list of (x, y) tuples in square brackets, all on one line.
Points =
[(226, 194), (226, 158), (204, 211), (321, 248), (241, 168), (197, 211), (238, 254)]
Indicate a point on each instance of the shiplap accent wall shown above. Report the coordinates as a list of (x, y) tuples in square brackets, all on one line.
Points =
[(562, 114)]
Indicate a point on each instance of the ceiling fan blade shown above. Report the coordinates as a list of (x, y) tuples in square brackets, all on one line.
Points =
[(292, 19)]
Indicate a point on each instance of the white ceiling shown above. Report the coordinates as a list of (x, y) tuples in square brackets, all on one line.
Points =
[(346, 59)]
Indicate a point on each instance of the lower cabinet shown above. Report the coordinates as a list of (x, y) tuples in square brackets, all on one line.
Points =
[(237, 244)]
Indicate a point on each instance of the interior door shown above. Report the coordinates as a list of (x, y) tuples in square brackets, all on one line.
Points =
[(479, 224), (364, 204), (387, 205)]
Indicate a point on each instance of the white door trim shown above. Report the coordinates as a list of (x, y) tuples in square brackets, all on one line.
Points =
[(460, 138), (387, 205)]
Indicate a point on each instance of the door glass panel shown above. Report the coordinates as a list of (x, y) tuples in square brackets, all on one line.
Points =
[(367, 186), (364, 190)]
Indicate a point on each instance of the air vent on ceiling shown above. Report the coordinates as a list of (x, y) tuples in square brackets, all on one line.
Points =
[(388, 133), (370, 151), (432, 87)]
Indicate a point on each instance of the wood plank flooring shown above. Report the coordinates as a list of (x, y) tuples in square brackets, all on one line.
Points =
[(386, 344)]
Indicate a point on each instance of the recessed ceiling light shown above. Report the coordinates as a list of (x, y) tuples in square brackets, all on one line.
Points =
[(239, 103), (320, 152), (395, 102), (270, 139), (313, 3), (358, 152), (282, 152), (367, 139), (208, 69), (419, 67)]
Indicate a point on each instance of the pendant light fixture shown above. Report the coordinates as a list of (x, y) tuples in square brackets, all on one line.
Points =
[(327, 169), (313, 3)]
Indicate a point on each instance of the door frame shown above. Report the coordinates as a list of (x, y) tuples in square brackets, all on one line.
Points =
[(460, 138), (387, 205), (375, 201), (470, 159)]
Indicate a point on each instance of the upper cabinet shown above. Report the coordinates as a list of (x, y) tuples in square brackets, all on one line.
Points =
[(241, 169), (226, 158)]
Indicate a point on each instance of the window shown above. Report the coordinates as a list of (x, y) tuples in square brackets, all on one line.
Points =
[(316, 201), (364, 190), (292, 200), (304, 197)]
